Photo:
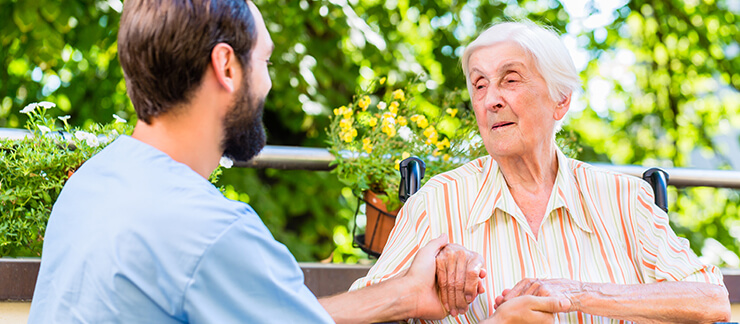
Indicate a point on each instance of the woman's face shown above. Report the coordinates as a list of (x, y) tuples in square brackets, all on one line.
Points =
[(511, 101)]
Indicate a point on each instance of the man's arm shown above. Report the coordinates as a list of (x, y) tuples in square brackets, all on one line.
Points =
[(412, 294), (662, 302)]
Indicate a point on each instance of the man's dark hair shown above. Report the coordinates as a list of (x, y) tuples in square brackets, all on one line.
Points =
[(165, 47)]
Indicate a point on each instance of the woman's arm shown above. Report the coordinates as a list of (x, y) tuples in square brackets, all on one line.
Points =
[(662, 302)]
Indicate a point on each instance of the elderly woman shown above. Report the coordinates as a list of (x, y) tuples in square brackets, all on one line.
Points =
[(545, 224)]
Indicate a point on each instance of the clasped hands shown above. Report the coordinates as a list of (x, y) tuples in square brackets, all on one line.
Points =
[(459, 274)]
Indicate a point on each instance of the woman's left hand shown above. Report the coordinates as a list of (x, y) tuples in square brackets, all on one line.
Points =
[(569, 289)]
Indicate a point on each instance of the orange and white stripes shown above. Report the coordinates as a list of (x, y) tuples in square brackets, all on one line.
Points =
[(600, 226)]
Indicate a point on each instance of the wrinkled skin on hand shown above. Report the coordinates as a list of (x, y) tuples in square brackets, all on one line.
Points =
[(563, 288), (459, 277)]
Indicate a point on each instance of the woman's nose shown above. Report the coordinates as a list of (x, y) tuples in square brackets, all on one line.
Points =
[(494, 101)]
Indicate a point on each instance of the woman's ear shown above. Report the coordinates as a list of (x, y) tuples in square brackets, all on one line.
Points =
[(561, 108), (224, 64)]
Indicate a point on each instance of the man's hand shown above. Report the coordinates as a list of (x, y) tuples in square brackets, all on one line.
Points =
[(459, 277), (529, 309), (564, 288), (420, 276)]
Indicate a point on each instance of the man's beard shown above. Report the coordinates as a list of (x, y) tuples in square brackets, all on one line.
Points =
[(244, 134)]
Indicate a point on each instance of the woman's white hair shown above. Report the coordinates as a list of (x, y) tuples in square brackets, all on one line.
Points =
[(551, 58)]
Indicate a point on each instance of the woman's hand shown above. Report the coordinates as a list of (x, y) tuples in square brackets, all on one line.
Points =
[(459, 277), (565, 288)]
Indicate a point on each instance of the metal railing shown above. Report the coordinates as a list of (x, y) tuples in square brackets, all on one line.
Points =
[(318, 159)]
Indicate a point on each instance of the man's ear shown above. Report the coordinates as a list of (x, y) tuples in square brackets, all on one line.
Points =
[(225, 66), (562, 106)]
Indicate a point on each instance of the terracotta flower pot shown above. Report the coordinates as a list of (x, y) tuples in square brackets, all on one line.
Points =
[(380, 222)]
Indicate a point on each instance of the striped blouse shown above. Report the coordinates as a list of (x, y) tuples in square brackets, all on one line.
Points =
[(600, 226)]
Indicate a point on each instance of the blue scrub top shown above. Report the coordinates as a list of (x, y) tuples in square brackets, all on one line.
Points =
[(136, 237)]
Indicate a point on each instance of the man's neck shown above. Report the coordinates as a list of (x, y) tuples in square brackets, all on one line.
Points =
[(187, 138)]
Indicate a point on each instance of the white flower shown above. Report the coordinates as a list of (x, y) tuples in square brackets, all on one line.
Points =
[(405, 133), (81, 135), (119, 119), (90, 139), (47, 105), (28, 109), (226, 162), (382, 105), (64, 118), (43, 129)]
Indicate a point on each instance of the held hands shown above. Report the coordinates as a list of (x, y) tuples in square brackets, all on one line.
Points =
[(420, 276), (560, 288), (458, 273), (459, 277)]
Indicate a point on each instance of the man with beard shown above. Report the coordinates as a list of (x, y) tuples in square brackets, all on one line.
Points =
[(139, 235)]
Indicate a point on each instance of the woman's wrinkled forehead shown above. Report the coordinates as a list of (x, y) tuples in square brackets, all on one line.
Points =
[(499, 58)]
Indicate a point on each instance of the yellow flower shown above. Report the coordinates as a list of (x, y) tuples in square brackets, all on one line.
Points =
[(344, 111), (388, 125), (452, 112), (399, 95), (443, 144), (366, 146), (364, 102), (446, 157), (402, 121), (345, 124), (382, 81), (388, 117), (388, 129), (395, 164), (373, 122), (436, 153), (382, 105), (405, 155), (431, 135), (394, 107), (421, 121), (349, 135)]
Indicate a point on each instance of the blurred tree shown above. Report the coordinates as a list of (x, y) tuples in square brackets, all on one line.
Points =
[(679, 78), (61, 52), (663, 80)]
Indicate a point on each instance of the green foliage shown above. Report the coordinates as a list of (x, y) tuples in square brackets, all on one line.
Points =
[(671, 70), (34, 169), (299, 207), (382, 126), (64, 52)]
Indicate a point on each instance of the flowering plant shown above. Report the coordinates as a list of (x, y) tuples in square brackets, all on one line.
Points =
[(34, 168), (384, 125)]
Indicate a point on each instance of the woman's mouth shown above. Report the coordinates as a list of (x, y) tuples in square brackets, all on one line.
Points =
[(500, 125)]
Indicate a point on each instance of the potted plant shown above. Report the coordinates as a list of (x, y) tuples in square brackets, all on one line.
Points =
[(34, 168), (384, 125)]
